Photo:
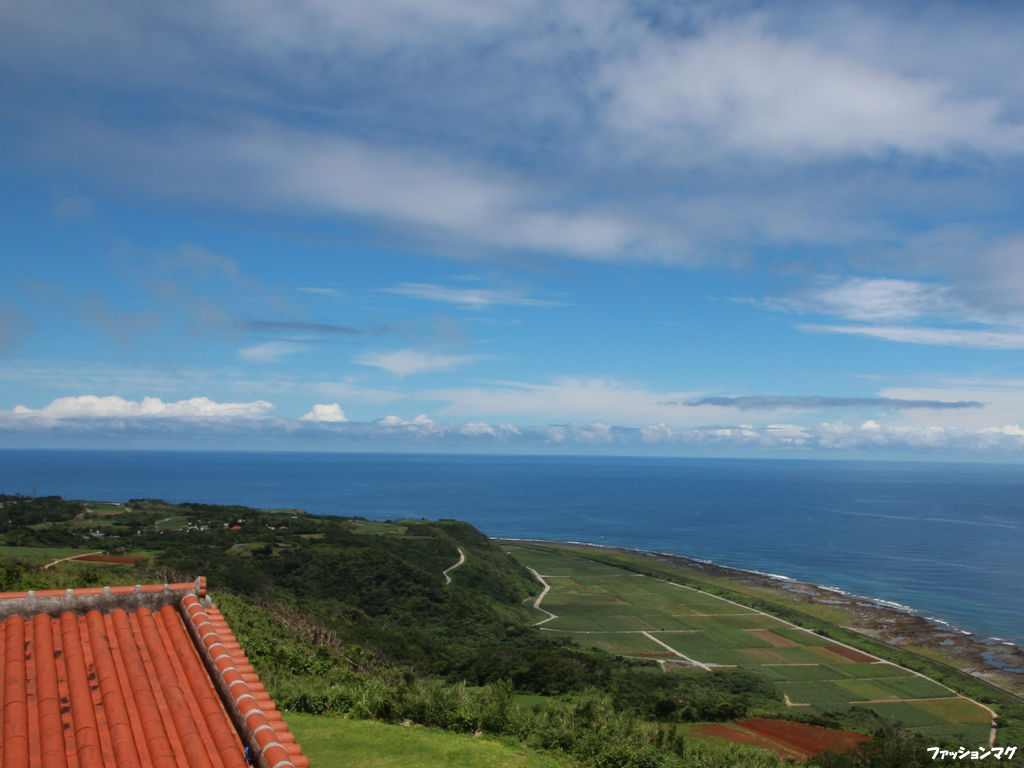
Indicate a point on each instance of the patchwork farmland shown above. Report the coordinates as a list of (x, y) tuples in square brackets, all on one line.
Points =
[(638, 616)]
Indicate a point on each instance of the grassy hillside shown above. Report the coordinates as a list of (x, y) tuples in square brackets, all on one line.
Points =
[(331, 740)]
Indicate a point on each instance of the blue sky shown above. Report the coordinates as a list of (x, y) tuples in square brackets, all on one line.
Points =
[(729, 228)]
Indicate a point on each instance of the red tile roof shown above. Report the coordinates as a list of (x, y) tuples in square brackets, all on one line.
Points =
[(131, 677)]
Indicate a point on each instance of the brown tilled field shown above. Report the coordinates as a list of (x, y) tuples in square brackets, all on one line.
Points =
[(808, 740), (786, 739), (851, 654), (125, 559)]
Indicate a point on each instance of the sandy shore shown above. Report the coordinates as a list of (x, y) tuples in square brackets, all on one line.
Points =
[(995, 661)]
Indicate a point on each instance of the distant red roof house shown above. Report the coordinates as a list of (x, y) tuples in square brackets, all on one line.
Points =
[(131, 677)]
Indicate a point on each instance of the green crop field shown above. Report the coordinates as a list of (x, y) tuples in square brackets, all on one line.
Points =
[(966, 735), (372, 526), (623, 643), (802, 672), (955, 710), (602, 605), (801, 636), (916, 688), (811, 691), (40, 554), (869, 690), (105, 508), (737, 620), (869, 671)]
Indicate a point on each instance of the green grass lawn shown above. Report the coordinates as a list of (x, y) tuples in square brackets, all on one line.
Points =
[(333, 741)]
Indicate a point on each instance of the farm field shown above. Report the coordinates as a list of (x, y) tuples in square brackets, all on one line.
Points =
[(639, 616), (105, 508), (81, 555), (39, 554)]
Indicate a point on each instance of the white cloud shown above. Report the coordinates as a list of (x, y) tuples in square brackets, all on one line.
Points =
[(572, 398), (538, 98), (92, 407), (597, 433), (878, 300), (338, 174), (741, 89), (657, 433), (320, 291), (525, 155), (420, 425), (1011, 430), (789, 433), (203, 419), (348, 389), (205, 265), (468, 298), (407, 362), (325, 413), (72, 208), (270, 351), (1003, 404), (941, 337), (280, 29), (477, 428), (906, 303)]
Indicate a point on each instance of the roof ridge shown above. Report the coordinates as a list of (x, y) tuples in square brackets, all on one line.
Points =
[(262, 728), (55, 602)]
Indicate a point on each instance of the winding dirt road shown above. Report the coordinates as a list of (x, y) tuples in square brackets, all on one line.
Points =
[(462, 559), (73, 557), (536, 603)]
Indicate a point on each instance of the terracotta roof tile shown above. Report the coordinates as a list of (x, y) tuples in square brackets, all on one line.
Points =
[(133, 682)]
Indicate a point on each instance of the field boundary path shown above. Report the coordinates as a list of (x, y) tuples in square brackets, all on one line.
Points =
[(73, 557), (462, 559), (669, 648)]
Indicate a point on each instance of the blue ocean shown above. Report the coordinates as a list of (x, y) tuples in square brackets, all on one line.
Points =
[(943, 539)]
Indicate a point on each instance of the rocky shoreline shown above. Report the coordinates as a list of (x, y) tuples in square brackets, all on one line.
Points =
[(995, 661)]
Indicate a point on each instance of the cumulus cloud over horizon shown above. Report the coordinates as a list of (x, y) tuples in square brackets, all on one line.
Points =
[(200, 419), (330, 413), (92, 407)]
